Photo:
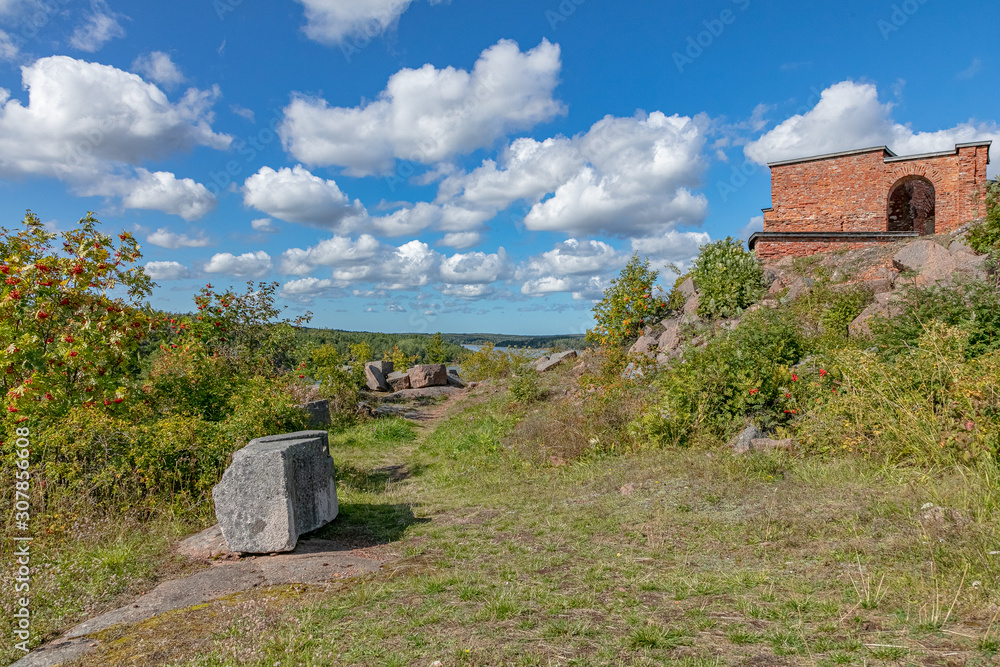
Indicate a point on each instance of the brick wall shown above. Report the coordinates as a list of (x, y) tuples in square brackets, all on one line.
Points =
[(850, 193), (774, 250)]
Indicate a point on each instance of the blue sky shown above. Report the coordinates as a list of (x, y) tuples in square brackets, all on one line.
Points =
[(462, 166)]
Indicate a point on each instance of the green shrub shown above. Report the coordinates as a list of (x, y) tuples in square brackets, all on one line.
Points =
[(728, 278), (928, 405), (974, 308), (741, 375), (525, 386), (263, 406), (187, 379), (489, 363), (628, 305), (825, 312), (985, 237), (110, 461)]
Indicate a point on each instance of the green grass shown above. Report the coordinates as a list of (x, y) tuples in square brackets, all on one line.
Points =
[(712, 560)]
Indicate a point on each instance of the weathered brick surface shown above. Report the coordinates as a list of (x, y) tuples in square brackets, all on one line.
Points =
[(853, 193), (770, 250)]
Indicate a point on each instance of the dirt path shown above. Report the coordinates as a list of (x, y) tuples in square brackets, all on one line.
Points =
[(314, 561)]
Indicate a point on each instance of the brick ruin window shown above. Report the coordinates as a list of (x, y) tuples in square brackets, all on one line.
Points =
[(911, 206)]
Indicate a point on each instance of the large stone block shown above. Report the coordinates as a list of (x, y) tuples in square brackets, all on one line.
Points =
[(276, 489), (554, 360), (428, 375), (319, 413), (398, 381), (375, 375)]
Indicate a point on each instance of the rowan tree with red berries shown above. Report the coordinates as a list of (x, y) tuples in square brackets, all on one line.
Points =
[(72, 316)]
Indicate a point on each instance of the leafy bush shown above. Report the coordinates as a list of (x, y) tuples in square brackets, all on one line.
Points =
[(489, 363), (825, 312), (263, 406), (974, 308), (741, 375), (242, 327), (929, 404), (628, 305), (525, 386), (186, 379), (728, 278), (985, 237), (110, 461)]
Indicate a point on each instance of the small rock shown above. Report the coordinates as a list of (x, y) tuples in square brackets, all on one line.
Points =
[(687, 288), (885, 305), (798, 287), (670, 338), (627, 490), (633, 372), (319, 413), (928, 259), (933, 516), (741, 443), (691, 305)]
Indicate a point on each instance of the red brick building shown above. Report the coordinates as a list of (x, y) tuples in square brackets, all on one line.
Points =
[(869, 196)]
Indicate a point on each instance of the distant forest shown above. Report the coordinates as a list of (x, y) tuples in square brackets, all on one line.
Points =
[(416, 344), (564, 342)]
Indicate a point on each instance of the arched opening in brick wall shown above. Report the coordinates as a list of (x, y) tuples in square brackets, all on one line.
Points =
[(911, 206)]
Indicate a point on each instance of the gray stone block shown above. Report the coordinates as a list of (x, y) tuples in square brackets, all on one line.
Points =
[(276, 489), (554, 360), (319, 413), (375, 375)]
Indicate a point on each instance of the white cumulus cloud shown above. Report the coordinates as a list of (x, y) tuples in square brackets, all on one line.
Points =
[(461, 240), (162, 191), (571, 266), (624, 177), (428, 115), (305, 290), (338, 251), (475, 268), (159, 68), (331, 21), (250, 264), (90, 125), (101, 27), (9, 50), (297, 195), (265, 225), (167, 239), (674, 247), (849, 115), (166, 270)]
